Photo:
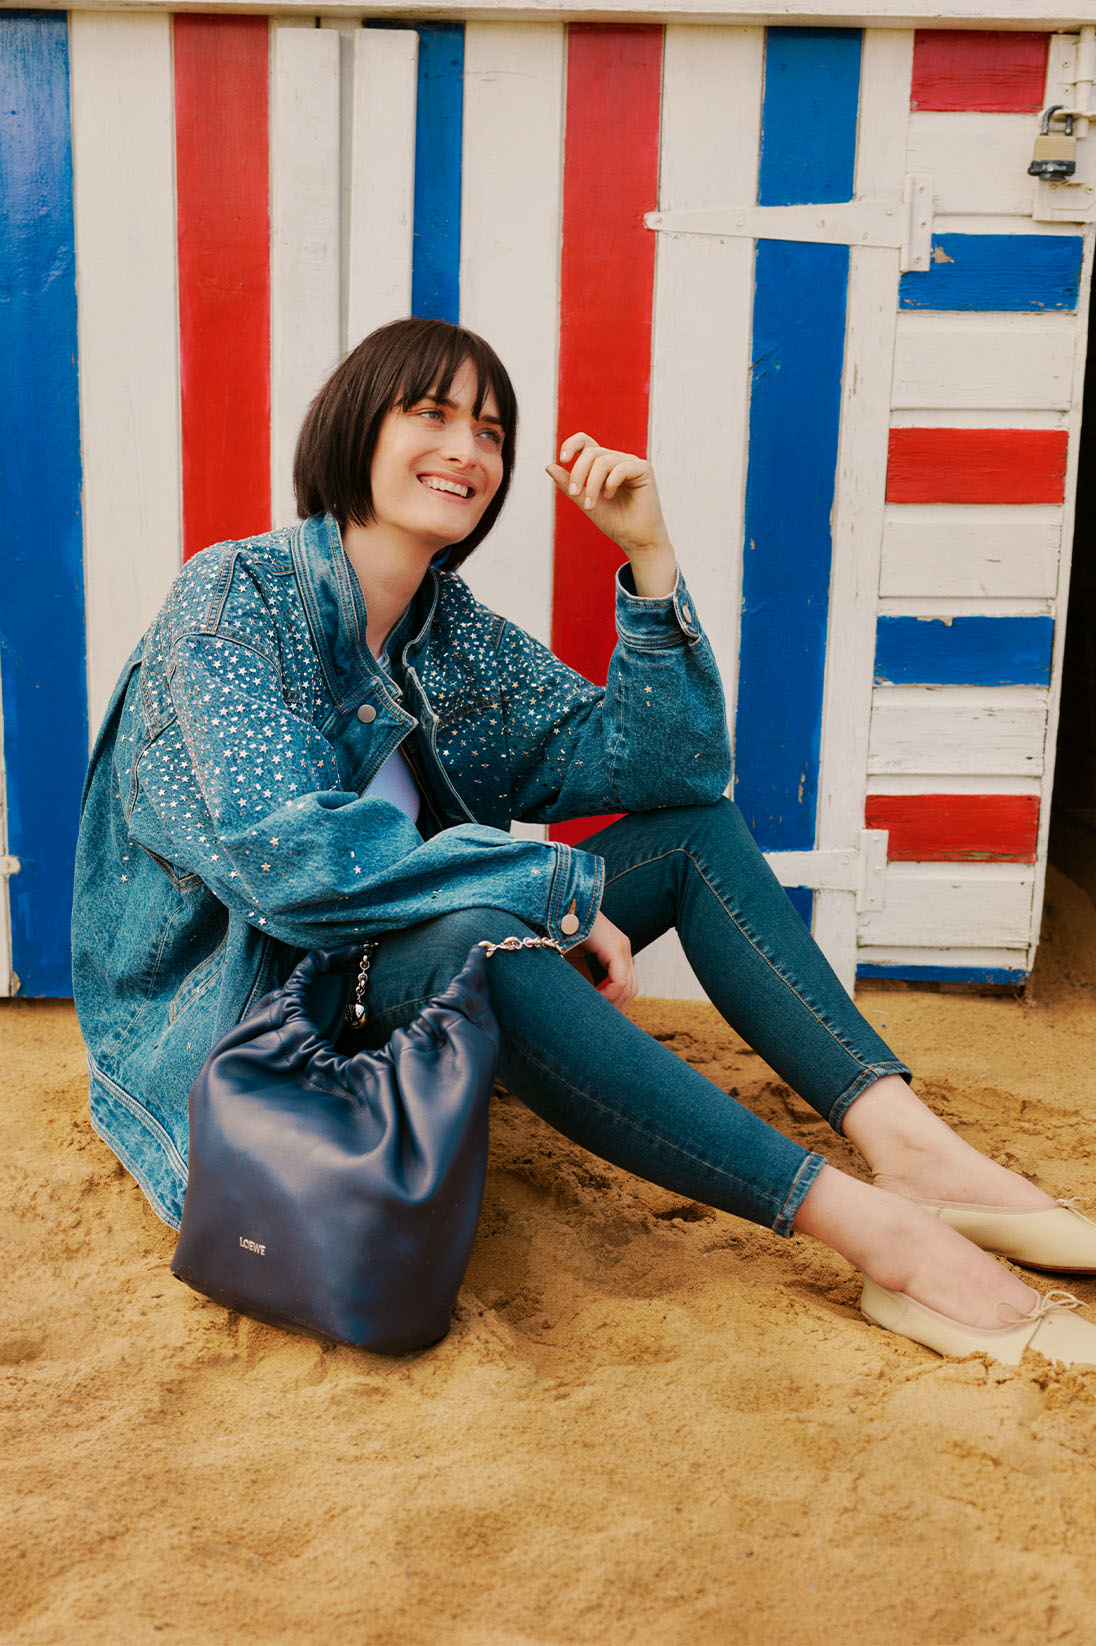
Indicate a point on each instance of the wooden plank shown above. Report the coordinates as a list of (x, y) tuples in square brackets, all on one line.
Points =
[(610, 179), (124, 189), (930, 828), (711, 121), (797, 354), (978, 69), (435, 271), (935, 549), (606, 291), (985, 905), (976, 465), (964, 651), (984, 362), (979, 732), (304, 244), (861, 475), (1008, 272), (221, 108), (510, 227), (42, 663), (1022, 14), (978, 162), (382, 196), (952, 967)]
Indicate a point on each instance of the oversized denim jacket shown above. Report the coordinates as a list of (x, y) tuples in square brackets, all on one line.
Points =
[(226, 828)]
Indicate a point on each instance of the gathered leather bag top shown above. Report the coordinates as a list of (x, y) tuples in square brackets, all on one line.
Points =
[(337, 1191)]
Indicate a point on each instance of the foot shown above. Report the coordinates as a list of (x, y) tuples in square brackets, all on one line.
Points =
[(905, 1249), (915, 1154)]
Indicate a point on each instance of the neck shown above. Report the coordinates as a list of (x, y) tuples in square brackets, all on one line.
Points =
[(389, 568)]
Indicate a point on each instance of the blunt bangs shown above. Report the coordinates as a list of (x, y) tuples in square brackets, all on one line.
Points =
[(398, 365)]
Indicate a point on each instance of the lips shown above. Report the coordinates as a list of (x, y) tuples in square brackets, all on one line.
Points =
[(441, 483)]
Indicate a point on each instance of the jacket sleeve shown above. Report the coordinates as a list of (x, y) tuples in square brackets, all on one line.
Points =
[(655, 735), (241, 789)]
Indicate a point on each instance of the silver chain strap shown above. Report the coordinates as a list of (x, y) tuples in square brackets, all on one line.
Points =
[(355, 1012)]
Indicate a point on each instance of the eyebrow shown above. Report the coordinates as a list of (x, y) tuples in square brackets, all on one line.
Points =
[(451, 405)]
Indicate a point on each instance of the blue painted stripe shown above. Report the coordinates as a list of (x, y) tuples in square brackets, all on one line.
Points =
[(439, 124), (797, 354), (802, 901), (964, 651), (945, 974), (808, 121), (42, 656), (1017, 272)]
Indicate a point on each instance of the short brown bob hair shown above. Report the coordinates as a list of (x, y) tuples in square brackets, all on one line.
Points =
[(397, 365)]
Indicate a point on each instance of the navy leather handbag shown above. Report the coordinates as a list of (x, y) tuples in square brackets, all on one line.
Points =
[(337, 1191)]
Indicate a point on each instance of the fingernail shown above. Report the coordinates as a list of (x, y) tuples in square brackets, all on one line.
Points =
[(573, 489), (589, 502)]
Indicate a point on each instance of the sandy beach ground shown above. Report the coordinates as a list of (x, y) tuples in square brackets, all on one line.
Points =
[(651, 1423)]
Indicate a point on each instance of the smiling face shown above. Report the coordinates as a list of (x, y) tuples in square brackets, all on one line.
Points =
[(437, 464)]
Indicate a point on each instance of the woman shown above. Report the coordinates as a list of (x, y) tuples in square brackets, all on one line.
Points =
[(324, 738)]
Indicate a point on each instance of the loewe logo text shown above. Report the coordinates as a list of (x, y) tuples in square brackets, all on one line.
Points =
[(252, 1246)]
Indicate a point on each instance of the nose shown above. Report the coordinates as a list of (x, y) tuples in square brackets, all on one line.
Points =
[(460, 442)]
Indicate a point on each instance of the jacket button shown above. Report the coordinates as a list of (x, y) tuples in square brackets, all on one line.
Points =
[(367, 713), (686, 614), (569, 925)]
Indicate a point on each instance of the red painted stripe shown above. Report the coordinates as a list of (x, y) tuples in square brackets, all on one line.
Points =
[(222, 184), (978, 69), (976, 466), (956, 828), (610, 178)]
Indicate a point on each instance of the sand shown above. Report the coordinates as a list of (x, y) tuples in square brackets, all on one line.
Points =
[(650, 1423)]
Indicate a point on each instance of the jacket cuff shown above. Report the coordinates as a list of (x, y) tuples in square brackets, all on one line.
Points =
[(575, 894), (651, 625)]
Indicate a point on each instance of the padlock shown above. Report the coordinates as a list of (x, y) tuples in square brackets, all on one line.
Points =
[(1055, 154)]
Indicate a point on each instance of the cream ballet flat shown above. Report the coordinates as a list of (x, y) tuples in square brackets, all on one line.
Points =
[(1057, 1238), (1052, 1328)]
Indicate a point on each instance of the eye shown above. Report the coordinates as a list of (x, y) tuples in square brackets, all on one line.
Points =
[(432, 411), (494, 435)]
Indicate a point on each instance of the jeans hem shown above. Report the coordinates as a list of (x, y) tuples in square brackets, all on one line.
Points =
[(797, 1194), (866, 1078)]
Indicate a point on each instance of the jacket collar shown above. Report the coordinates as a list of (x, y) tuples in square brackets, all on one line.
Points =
[(336, 611)]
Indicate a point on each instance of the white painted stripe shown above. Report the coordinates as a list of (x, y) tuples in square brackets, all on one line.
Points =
[(1020, 362), (861, 484), (991, 223), (510, 238), (1003, 551), (382, 180), (124, 199), (948, 418), (953, 784), (994, 731), (304, 251), (978, 162), (703, 306), (711, 119), (977, 905), (894, 955), (948, 606), (1084, 311)]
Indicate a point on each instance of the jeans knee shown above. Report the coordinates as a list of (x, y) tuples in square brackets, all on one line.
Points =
[(455, 933)]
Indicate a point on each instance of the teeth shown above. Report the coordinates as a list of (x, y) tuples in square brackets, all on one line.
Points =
[(454, 486)]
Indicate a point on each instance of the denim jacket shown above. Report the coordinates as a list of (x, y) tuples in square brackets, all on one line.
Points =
[(225, 825)]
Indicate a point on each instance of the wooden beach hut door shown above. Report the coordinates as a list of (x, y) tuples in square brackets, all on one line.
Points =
[(851, 215)]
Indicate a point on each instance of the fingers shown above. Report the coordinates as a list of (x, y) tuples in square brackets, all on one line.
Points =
[(614, 953), (595, 471)]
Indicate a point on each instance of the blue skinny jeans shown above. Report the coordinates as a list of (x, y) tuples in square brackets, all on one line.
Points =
[(594, 1075)]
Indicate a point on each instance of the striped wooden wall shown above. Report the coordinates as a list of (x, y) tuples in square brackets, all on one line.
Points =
[(868, 473)]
